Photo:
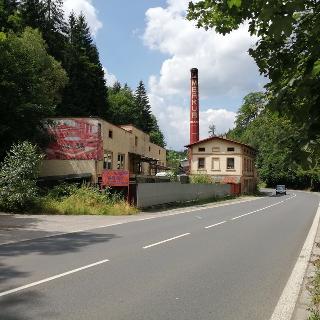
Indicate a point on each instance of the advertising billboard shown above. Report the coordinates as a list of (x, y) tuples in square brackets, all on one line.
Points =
[(115, 178), (75, 139)]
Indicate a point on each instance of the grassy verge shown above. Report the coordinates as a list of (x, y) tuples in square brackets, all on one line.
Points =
[(86, 200), (183, 204), (314, 289)]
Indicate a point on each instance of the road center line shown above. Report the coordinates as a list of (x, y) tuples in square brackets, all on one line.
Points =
[(264, 208), (214, 225), (33, 284), (164, 241)]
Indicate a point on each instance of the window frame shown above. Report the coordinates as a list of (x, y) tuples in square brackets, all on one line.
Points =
[(227, 164), (204, 163), (121, 161), (212, 164)]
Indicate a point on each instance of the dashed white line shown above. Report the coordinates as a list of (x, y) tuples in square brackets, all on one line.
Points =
[(33, 284), (264, 208), (216, 224), (164, 241)]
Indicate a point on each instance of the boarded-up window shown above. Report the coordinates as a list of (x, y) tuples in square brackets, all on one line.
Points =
[(215, 164)]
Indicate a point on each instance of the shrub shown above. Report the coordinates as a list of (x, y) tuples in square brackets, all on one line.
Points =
[(201, 179), (18, 174)]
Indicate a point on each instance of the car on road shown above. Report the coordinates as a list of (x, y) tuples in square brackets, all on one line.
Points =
[(281, 189)]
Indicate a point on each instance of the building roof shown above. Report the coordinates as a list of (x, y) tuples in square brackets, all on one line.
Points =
[(219, 138)]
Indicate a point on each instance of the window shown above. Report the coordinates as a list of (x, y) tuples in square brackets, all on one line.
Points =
[(230, 163), (110, 134), (159, 151), (216, 149), (201, 149), (136, 141), (230, 149), (215, 164), (201, 163), (107, 161), (149, 148), (120, 164)]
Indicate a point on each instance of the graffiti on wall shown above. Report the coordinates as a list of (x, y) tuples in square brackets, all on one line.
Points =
[(75, 139)]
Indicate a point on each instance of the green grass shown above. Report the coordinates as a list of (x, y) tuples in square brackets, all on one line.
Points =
[(84, 200), (314, 289)]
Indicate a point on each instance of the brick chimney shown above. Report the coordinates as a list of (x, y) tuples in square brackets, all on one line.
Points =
[(194, 107)]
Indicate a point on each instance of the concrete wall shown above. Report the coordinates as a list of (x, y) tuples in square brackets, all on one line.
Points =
[(149, 194)]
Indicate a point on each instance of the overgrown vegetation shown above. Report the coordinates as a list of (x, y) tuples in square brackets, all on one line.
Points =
[(201, 179), (84, 200), (18, 174), (19, 191), (314, 289)]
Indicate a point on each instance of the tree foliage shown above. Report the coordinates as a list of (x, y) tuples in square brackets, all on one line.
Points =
[(30, 87), (287, 50), (18, 174), (283, 157), (85, 94)]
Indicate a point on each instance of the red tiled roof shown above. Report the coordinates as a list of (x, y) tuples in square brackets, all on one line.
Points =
[(219, 138)]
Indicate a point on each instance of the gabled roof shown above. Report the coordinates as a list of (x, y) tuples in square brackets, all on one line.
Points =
[(219, 138)]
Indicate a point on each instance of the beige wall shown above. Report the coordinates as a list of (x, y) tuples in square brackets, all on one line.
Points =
[(51, 168)]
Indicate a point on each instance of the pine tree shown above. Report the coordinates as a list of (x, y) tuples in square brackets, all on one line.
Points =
[(86, 92), (9, 18), (144, 115), (48, 17)]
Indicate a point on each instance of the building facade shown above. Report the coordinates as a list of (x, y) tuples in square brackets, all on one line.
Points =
[(226, 161), (84, 147)]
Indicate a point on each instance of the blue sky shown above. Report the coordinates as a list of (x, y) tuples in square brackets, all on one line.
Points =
[(151, 40)]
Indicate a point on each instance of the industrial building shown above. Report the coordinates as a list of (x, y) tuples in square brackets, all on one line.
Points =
[(84, 148), (224, 160)]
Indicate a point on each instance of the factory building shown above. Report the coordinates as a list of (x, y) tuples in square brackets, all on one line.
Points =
[(224, 160), (84, 148)]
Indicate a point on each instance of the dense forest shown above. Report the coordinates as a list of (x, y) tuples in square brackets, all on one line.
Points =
[(50, 66)]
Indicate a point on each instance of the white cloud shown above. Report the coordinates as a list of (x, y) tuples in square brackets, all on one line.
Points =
[(109, 77), (225, 70), (88, 9)]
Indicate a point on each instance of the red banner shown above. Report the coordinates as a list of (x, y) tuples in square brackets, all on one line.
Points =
[(78, 139), (115, 178)]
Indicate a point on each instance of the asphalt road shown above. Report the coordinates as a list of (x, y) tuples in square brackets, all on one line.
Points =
[(228, 262)]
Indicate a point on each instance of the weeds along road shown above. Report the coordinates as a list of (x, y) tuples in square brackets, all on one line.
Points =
[(228, 262)]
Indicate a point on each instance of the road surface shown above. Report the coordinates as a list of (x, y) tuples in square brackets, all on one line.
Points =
[(229, 262)]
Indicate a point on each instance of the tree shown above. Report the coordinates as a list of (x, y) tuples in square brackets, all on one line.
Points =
[(212, 130), (85, 94), (9, 18), (144, 116), (18, 174), (30, 87), (287, 51), (48, 17)]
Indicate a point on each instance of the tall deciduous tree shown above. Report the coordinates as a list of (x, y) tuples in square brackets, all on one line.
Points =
[(287, 50), (30, 86), (85, 95)]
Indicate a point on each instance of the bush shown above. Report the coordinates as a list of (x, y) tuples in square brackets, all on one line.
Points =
[(18, 174), (201, 179), (84, 200)]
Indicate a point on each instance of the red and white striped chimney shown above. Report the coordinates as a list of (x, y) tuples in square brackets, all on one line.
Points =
[(194, 107)]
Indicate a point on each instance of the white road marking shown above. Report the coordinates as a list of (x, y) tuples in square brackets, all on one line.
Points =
[(286, 304), (167, 240), (33, 284), (264, 208), (214, 225)]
